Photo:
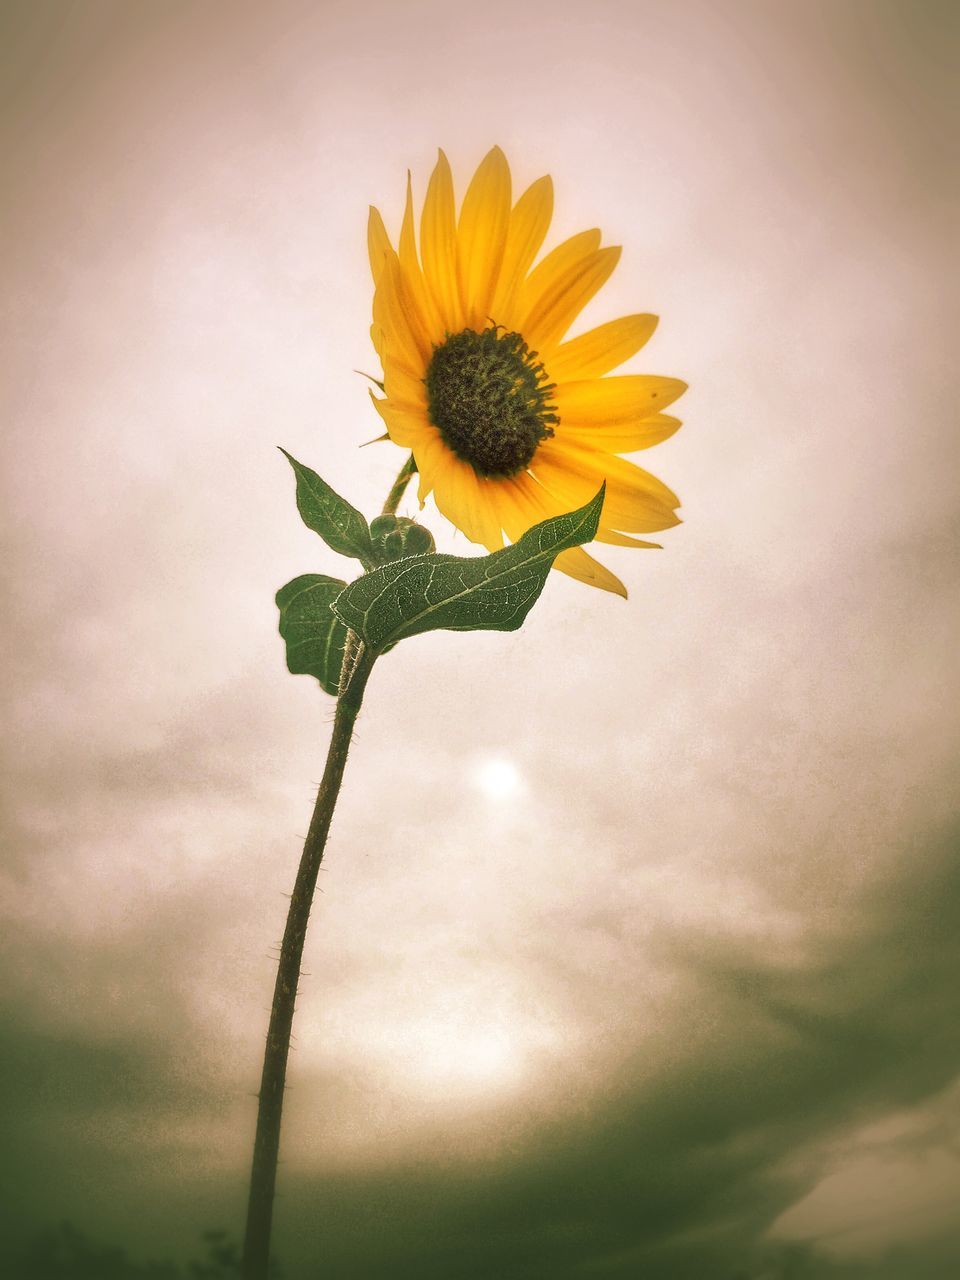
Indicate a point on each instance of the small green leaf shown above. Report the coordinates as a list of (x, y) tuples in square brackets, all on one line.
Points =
[(314, 635), (340, 525), (453, 593)]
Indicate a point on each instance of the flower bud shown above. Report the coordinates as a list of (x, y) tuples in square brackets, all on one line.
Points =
[(381, 526), (395, 537)]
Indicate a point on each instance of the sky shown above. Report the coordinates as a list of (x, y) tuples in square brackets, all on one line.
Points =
[(636, 945)]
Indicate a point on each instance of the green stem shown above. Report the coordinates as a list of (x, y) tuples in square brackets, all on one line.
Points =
[(408, 469), (263, 1176), (357, 665)]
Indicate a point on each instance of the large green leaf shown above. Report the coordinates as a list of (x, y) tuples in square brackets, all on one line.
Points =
[(314, 635), (340, 525), (453, 593)]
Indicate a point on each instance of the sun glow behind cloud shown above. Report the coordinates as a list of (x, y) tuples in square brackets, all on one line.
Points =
[(498, 778), (452, 1053), (463, 1055)]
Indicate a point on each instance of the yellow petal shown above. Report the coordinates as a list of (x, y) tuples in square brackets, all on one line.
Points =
[(525, 503), (378, 242), (522, 503), (402, 387), (404, 426), (481, 236), (619, 437), (413, 277), (485, 511), (618, 400), (554, 266), (438, 245), (432, 458), (615, 539), (636, 502), (599, 350), (395, 310), (408, 242), (528, 227), (465, 499), (555, 311), (578, 564), (625, 478)]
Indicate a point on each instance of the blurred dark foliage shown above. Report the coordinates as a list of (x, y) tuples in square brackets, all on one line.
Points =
[(64, 1252)]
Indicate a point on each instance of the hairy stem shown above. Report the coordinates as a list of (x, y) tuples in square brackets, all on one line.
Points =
[(408, 469), (357, 664), (256, 1249)]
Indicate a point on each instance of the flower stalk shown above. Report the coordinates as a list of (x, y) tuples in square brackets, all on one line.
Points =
[(263, 1176), (407, 471), (357, 664)]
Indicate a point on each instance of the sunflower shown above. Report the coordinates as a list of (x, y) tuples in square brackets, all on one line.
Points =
[(508, 421)]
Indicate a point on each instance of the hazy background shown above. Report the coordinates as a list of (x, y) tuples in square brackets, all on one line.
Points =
[(637, 949)]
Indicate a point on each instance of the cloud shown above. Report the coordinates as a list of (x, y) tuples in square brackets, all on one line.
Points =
[(891, 1188), (652, 1011), (686, 1168)]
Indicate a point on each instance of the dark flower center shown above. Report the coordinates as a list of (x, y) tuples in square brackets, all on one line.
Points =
[(489, 397)]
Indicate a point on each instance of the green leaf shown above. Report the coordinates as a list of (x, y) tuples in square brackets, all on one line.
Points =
[(314, 635), (453, 593), (340, 525)]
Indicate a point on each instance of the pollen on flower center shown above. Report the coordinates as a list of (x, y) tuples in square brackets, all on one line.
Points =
[(489, 397)]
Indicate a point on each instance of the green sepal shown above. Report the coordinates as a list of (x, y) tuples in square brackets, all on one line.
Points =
[(313, 634), (455, 593), (340, 525)]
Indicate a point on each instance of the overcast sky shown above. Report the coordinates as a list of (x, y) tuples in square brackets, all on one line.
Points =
[(637, 945)]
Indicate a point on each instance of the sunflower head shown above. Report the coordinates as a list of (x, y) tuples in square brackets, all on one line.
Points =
[(508, 420), (489, 397)]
